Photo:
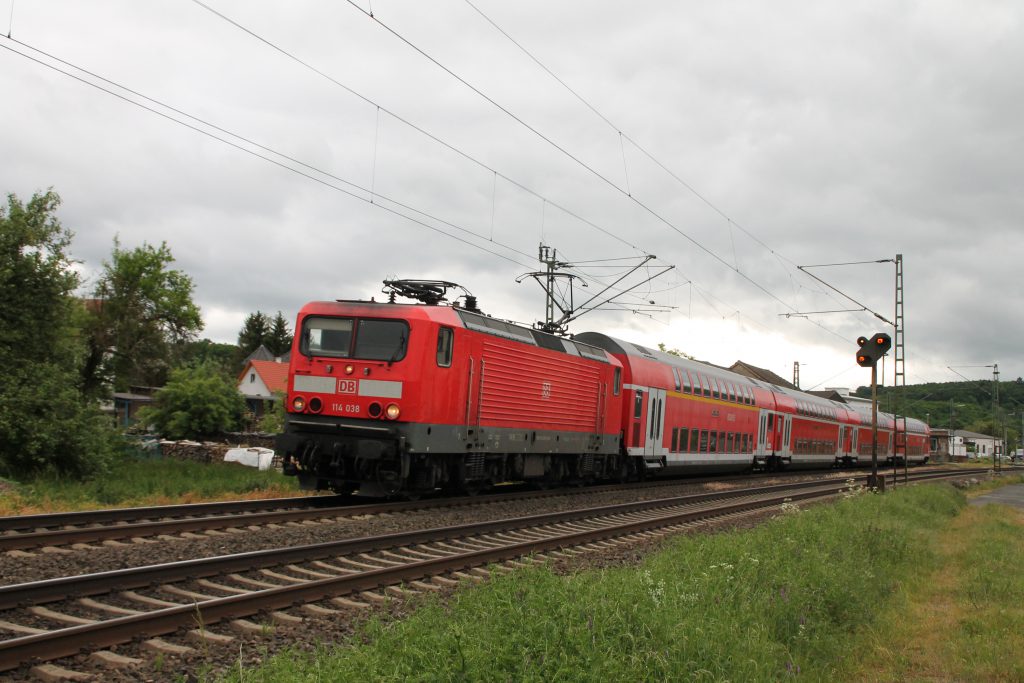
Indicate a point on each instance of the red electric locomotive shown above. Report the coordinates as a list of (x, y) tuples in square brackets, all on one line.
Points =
[(392, 398)]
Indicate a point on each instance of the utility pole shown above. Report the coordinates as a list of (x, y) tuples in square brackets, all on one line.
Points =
[(997, 462), (796, 374), (900, 380)]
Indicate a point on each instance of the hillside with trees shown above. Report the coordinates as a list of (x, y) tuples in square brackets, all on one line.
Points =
[(962, 405)]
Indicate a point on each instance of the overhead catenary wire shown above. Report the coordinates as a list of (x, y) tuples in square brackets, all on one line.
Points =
[(264, 157), (545, 200), (624, 136), (371, 194), (645, 207)]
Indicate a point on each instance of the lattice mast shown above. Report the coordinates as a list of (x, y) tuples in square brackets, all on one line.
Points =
[(900, 378)]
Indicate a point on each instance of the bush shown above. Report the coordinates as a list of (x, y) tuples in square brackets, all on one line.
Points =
[(197, 402), (46, 427)]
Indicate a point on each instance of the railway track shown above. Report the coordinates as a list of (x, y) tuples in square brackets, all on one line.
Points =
[(27, 532), (62, 617)]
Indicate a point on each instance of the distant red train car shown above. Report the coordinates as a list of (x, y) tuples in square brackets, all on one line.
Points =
[(390, 399)]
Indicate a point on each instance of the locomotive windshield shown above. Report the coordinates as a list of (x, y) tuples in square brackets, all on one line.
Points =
[(351, 338)]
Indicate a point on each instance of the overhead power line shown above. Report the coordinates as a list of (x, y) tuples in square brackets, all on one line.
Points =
[(473, 159), (654, 214), (257, 154)]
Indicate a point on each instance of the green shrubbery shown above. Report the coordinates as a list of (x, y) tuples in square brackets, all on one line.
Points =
[(197, 402)]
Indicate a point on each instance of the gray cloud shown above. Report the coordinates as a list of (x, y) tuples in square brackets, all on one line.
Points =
[(831, 132)]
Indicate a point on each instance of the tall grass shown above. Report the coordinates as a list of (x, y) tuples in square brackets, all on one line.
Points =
[(134, 481), (768, 604)]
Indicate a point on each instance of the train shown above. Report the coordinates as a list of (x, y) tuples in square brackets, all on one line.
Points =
[(406, 399)]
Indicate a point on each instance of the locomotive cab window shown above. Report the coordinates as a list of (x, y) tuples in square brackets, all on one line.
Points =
[(347, 338), (381, 340), (444, 347), (327, 336), (617, 382)]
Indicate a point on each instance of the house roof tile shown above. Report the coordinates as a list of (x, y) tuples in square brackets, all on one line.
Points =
[(273, 374)]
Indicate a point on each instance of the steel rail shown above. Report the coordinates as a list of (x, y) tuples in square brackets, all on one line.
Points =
[(51, 590), (71, 640), (169, 519)]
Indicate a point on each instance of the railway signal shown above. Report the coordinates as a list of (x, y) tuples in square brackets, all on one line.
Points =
[(872, 349), (867, 357)]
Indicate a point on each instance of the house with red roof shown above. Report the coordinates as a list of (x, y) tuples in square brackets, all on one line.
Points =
[(260, 380)]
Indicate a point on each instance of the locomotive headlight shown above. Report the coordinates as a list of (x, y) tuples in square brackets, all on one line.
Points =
[(298, 404), (392, 411), (349, 369)]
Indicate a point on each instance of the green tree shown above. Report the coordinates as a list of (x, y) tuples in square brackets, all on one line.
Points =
[(196, 402), (224, 357), (254, 332), (46, 425), (279, 339), (144, 318)]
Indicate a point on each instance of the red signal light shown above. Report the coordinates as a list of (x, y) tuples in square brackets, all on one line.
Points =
[(871, 351)]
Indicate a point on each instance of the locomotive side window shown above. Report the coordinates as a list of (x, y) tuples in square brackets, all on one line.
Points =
[(714, 388), (675, 440), (703, 441), (694, 435), (684, 439), (704, 384), (617, 382), (381, 340), (687, 389), (638, 405), (445, 336), (327, 336)]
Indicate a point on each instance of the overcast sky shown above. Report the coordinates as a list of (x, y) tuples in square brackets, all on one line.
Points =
[(732, 139)]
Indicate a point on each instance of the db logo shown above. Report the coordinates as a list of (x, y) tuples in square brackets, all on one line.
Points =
[(346, 386), (545, 390)]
